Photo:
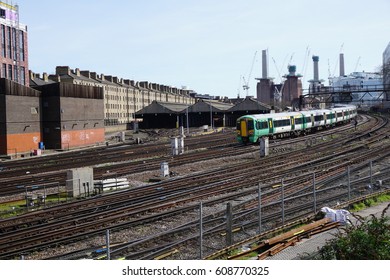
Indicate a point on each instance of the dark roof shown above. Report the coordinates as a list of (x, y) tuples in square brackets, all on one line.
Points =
[(204, 105), (250, 104), (37, 81), (158, 107)]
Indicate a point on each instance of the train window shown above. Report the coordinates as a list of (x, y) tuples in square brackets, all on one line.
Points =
[(318, 118), (250, 124), (308, 119), (261, 125), (280, 123), (330, 116), (340, 114), (298, 121)]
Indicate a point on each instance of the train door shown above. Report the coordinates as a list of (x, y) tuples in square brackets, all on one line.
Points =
[(292, 123), (243, 128), (270, 126)]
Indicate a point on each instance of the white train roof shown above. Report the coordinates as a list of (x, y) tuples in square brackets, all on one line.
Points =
[(297, 114)]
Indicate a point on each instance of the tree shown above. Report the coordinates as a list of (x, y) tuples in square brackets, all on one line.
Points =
[(367, 239)]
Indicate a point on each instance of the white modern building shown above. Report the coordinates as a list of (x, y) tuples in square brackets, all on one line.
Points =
[(386, 71), (366, 87)]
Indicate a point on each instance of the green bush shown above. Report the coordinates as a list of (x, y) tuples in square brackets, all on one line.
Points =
[(368, 239)]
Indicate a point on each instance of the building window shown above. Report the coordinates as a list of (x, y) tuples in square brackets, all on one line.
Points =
[(14, 45), (16, 73), (9, 38), (21, 45), (3, 41), (9, 72), (22, 76), (4, 71)]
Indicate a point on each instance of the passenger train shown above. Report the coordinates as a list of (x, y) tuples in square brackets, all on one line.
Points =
[(250, 128)]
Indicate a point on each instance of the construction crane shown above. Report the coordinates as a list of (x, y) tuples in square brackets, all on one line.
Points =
[(246, 81), (357, 64), (277, 70), (304, 67), (289, 62)]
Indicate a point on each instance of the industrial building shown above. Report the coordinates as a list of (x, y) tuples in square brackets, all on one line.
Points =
[(161, 115), (13, 48), (20, 118), (171, 115), (281, 95), (247, 106), (122, 97), (72, 115), (54, 116), (316, 83), (204, 112)]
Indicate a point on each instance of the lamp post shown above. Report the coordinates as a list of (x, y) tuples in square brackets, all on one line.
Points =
[(211, 116), (188, 127)]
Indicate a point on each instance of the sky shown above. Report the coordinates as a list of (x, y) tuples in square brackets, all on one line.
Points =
[(212, 47)]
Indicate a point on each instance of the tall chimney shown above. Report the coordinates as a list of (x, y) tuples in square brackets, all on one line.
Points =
[(315, 62), (342, 71), (264, 64)]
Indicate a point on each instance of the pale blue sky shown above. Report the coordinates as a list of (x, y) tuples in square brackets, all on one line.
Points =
[(204, 45)]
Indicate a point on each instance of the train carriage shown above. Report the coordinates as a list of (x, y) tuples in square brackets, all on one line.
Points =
[(250, 128), (285, 123), (319, 118), (308, 120), (339, 114)]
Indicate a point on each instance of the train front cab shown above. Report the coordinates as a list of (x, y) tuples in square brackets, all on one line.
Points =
[(245, 130)]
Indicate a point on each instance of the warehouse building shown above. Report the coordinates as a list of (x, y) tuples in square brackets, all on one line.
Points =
[(161, 115), (204, 112), (72, 115), (20, 118), (247, 106)]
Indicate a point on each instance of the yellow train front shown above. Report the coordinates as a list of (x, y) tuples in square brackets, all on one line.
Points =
[(245, 130)]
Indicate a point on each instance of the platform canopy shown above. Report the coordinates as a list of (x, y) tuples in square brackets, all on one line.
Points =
[(250, 104), (204, 105), (158, 107)]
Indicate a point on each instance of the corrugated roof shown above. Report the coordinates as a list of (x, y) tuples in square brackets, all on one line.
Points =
[(250, 104), (158, 107), (203, 105)]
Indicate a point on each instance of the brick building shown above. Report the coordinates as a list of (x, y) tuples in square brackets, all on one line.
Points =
[(72, 115), (122, 97), (20, 118), (13, 47)]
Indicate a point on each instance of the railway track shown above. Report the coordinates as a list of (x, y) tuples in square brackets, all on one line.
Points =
[(170, 199)]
